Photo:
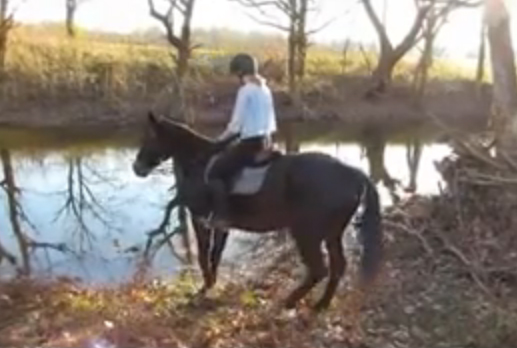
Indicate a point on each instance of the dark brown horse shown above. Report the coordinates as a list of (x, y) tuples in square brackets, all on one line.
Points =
[(313, 195)]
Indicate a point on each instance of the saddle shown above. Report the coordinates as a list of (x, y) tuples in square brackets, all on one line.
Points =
[(265, 157), (251, 178)]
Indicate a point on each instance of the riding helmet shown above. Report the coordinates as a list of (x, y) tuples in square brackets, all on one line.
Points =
[(243, 64)]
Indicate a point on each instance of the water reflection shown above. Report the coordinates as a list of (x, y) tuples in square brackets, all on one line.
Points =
[(88, 214)]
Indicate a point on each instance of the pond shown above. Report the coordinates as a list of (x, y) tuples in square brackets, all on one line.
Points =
[(87, 198)]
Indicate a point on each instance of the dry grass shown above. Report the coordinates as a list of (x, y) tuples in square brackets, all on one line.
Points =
[(43, 64)]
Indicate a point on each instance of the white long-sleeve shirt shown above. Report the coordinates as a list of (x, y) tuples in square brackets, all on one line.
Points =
[(254, 112)]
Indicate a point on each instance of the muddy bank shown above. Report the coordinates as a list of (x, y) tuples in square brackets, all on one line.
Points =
[(333, 99)]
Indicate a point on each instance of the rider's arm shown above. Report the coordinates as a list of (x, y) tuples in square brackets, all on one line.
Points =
[(235, 124)]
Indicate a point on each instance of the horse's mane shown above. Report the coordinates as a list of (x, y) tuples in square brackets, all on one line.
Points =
[(189, 131)]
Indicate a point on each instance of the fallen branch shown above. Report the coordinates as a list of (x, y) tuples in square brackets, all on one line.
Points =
[(471, 269), (408, 230)]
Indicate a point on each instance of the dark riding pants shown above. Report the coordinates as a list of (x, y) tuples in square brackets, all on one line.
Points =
[(228, 165)]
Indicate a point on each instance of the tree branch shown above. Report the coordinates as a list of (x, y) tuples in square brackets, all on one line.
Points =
[(378, 26), (282, 5), (167, 23), (268, 23), (321, 27), (411, 38)]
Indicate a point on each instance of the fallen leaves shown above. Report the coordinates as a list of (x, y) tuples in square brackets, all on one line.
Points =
[(162, 315)]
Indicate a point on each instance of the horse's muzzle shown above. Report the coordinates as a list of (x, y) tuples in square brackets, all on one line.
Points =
[(140, 170)]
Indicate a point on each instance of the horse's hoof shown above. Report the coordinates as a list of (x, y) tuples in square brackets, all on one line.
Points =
[(320, 306), (289, 304), (201, 293)]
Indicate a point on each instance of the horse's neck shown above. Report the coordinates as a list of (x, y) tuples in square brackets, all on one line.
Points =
[(194, 150)]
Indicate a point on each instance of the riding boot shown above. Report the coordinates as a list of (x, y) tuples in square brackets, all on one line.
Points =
[(220, 208)]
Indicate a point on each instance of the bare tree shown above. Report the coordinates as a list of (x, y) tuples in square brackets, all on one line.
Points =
[(182, 41), (291, 17), (437, 16), (390, 55), (504, 116), (71, 7)]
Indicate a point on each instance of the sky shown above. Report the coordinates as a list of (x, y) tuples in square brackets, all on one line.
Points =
[(458, 38)]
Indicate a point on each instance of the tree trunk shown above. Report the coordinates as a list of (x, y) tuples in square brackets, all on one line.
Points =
[(291, 61), (12, 204), (292, 143), (480, 70), (414, 149), (183, 60), (301, 43), (504, 116), (71, 6), (374, 143), (383, 74), (426, 60)]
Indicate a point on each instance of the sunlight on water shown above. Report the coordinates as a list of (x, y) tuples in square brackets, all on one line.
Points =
[(99, 208)]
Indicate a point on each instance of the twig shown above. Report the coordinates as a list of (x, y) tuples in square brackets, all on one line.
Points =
[(465, 146), (466, 262), (471, 150), (61, 247), (508, 159), (411, 232), (486, 179)]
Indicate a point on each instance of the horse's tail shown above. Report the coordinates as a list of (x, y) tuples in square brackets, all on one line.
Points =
[(371, 234)]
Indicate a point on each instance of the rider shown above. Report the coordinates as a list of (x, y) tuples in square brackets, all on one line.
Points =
[(253, 122)]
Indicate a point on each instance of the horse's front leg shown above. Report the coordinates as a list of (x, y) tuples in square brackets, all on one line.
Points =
[(216, 253), (204, 239)]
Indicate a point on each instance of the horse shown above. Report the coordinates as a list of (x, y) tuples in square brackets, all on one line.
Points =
[(312, 195)]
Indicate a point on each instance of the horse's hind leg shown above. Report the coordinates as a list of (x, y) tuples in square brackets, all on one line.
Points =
[(337, 260), (337, 263), (309, 247)]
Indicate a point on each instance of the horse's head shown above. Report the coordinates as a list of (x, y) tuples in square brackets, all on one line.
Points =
[(161, 141), (165, 138)]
